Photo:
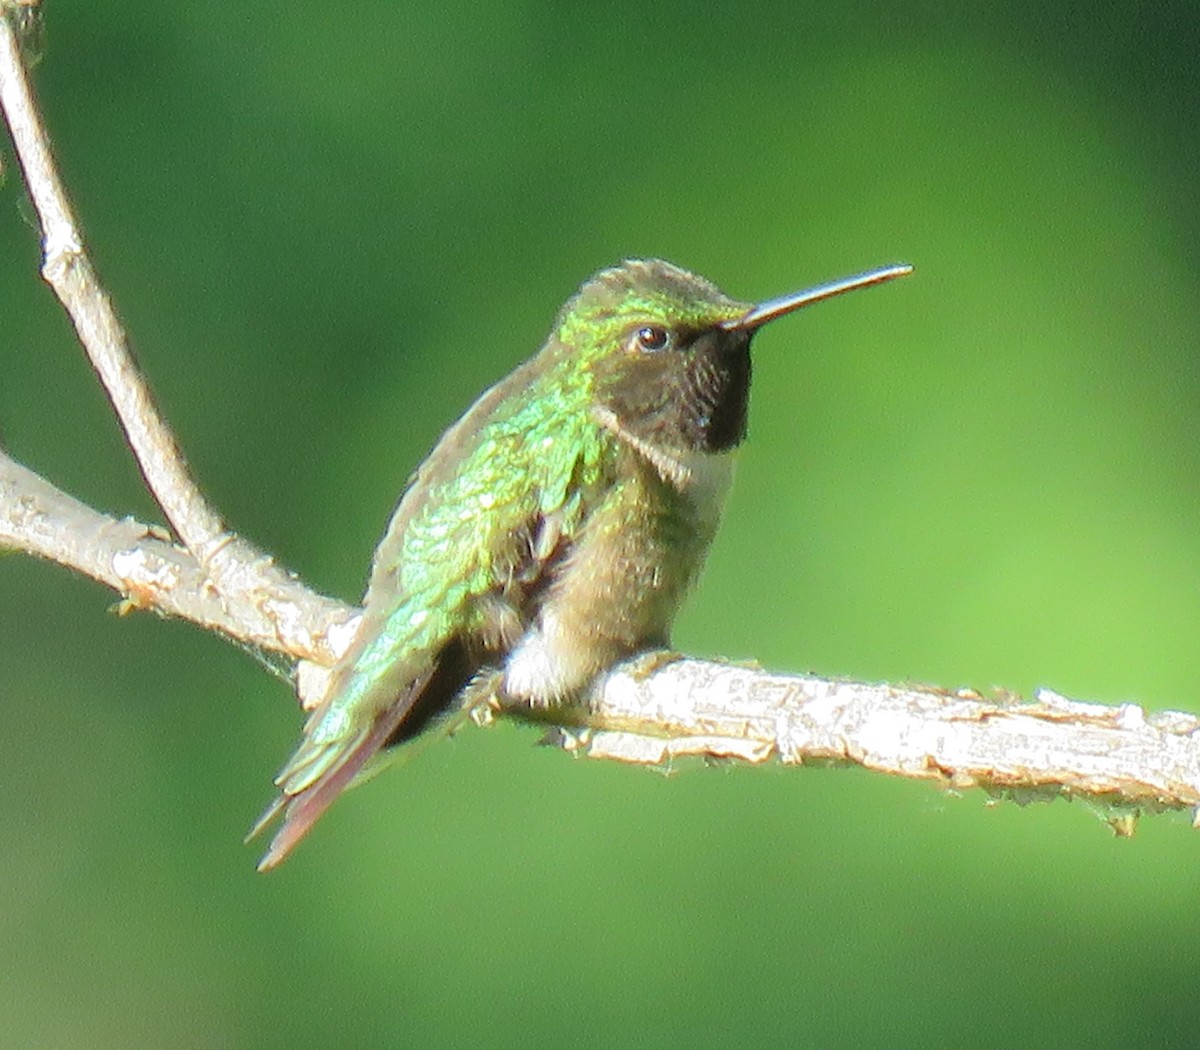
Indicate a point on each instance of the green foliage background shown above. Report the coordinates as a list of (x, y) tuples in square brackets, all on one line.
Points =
[(329, 226)]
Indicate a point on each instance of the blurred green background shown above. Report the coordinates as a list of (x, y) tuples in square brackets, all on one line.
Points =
[(329, 226)]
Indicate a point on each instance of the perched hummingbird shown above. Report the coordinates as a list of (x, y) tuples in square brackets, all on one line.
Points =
[(554, 529)]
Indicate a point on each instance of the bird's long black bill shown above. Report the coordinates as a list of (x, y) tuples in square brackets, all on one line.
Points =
[(785, 304)]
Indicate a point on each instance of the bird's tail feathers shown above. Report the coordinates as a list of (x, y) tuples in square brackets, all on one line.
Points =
[(314, 778)]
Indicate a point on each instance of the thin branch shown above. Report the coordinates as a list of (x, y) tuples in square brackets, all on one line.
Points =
[(661, 708), (230, 563), (1121, 757), (245, 577), (150, 572), (67, 269)]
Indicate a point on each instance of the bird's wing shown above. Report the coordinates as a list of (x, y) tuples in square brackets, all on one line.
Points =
[(466, 528)]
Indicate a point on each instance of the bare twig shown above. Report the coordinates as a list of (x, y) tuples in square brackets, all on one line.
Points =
[(652, 711), (656, 711), (67, 269), (150, 572), (1121, 757), (242, 575)]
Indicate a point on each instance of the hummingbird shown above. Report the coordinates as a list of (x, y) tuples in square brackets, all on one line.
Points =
[(554, 530)]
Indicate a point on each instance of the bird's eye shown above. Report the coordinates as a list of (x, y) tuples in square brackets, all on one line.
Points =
[(652, 339)]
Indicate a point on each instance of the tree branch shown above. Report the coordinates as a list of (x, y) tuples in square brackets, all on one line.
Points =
[(231, 564), (650, 711), (261, 598), (1119, 757), (150, 572)]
